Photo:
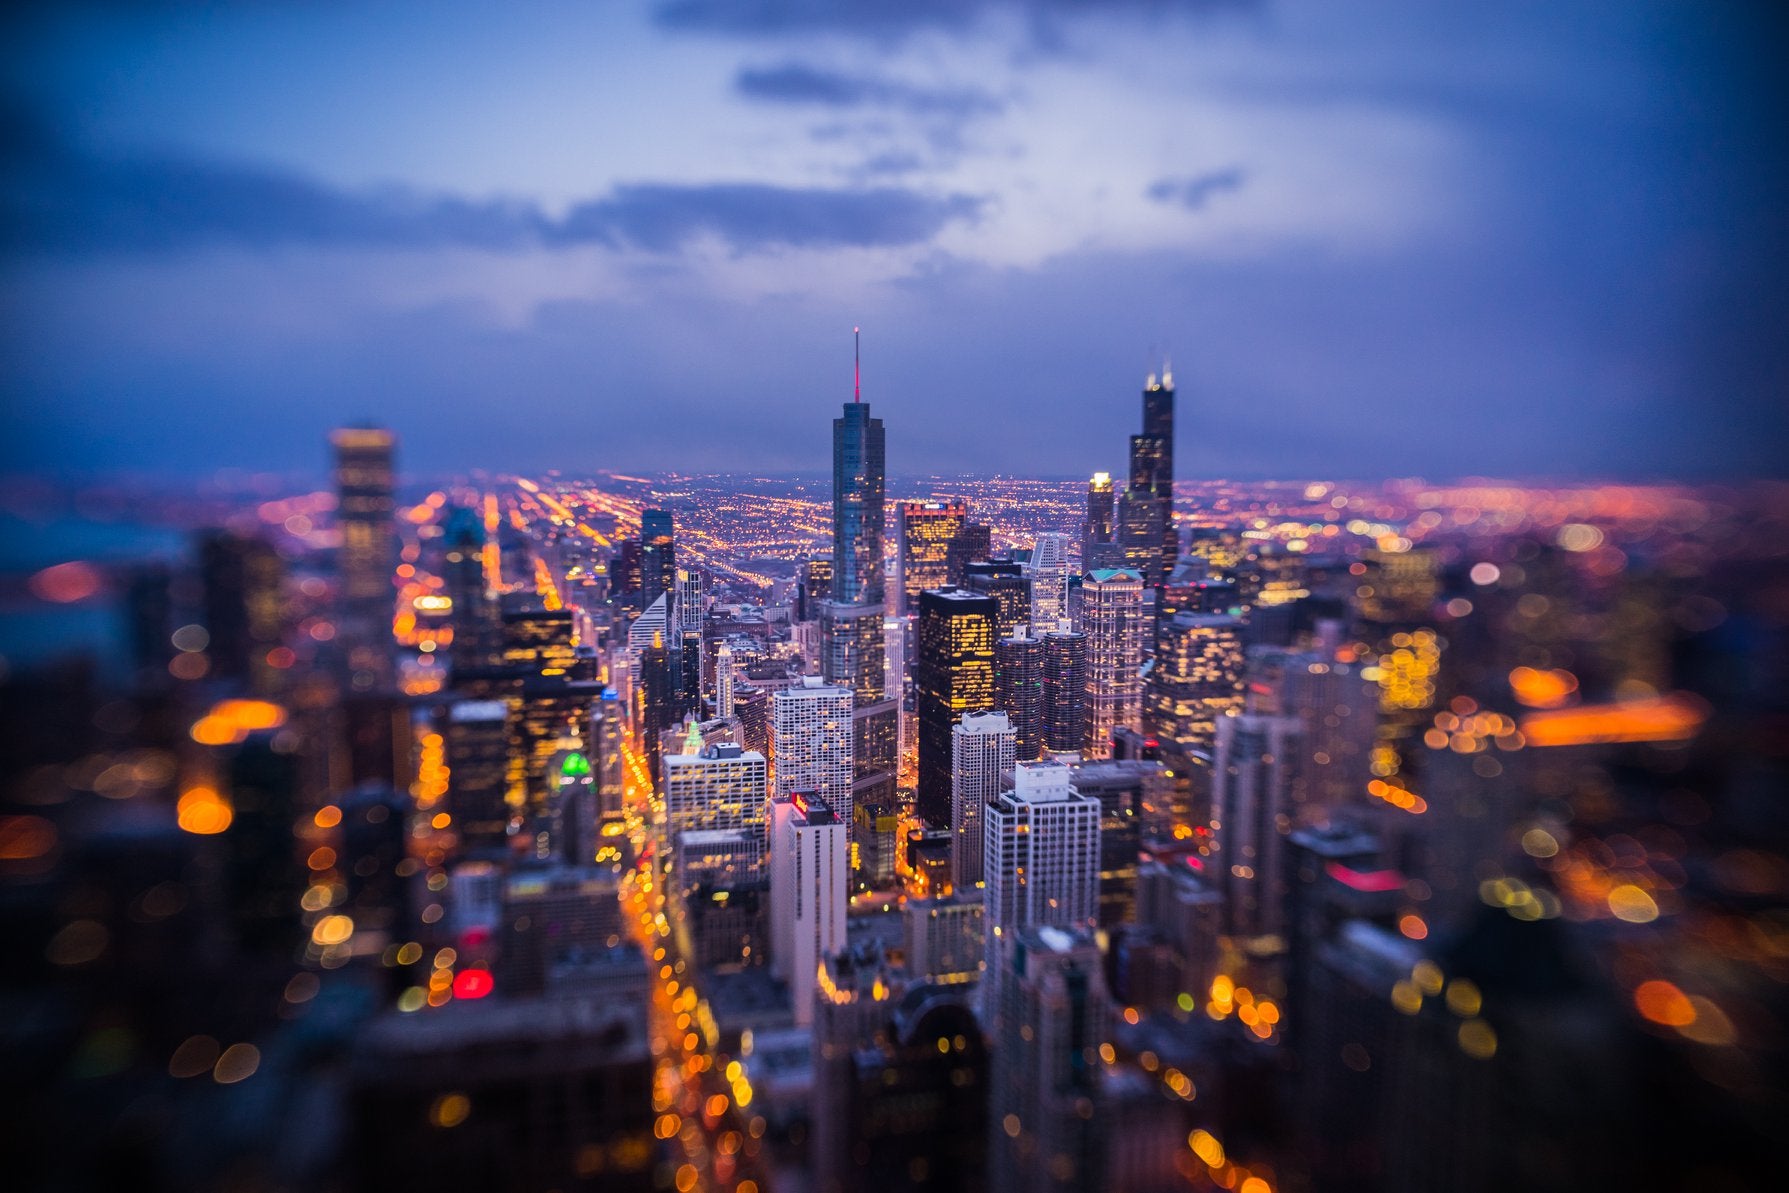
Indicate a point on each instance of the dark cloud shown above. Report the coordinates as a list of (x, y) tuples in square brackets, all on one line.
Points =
[(1195, 192), (754, 216), (797, 83), (56, 200)]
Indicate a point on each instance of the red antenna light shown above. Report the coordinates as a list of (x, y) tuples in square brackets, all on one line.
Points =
[(856, 364)]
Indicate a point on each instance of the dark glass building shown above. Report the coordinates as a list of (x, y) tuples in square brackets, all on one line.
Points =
[(1064, 678), (953, 674), (859, 480), (1019, 691), (658, 556)]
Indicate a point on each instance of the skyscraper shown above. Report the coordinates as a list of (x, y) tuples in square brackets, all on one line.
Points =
[(973, 542), (658, 689), (853, 652), (811, 729), (658, 556), (815, 587), (463, 581), (365, 505), (926, 531), (244, 580), (859, 479), (1196, 678), (1097, 531), (1250, 777), (981, 748), (953, 675), (723, 680), (1051, 1017), (1040, 854), (1011, 592), (692, 598), (1019, 690), (1150, 543), (1112, 612), (1049, 582), (1064, 679), (808, 860), (721, 789)]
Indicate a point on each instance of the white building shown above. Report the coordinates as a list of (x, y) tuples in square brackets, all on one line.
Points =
[(722, 788), (656, 620), (981, 746), (723, 680), (692, 599), (1049, 583), (811, 733), (1040, 855), (808, 872)]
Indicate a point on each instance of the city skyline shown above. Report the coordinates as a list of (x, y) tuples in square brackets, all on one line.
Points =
[(1522, 248), (459, 735)]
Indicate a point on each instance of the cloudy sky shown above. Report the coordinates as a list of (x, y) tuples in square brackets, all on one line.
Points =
[(1377, 238)]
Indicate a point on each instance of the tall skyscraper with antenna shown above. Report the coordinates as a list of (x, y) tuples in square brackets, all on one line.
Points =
[(1151, 544), (853, 650)]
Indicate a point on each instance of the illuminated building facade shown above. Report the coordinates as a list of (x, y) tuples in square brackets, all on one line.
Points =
[(1049, 582), (1250, 816), (540, 641), (808, 872), (365, 507), (943, 937), (1040, 855), (1099, 526), (1196, 678), (1400, 587), (721, 789), (811, 725), (981, 748), (608, 730), (477, 747), (815, 586), (1011, 592), (473, 612), (1112, 615), (1063, 676), (953, 675), (926, 531), (1019, 690), (545, 715)]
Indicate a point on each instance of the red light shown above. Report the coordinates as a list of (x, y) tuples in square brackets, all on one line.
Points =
[(1376, 881), (471, 938), (1195, 863), (473, 983), (1151, 743)]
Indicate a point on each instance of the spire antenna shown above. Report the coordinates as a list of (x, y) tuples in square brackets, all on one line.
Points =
[(857, 364)]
